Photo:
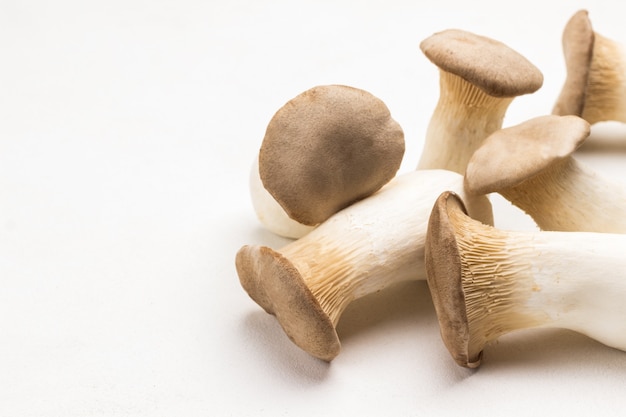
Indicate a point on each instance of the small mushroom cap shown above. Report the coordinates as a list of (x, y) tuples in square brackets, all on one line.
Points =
[(512, 155), (578, 41), (327, 148), (488, 64), (443, 271), (275, 284)]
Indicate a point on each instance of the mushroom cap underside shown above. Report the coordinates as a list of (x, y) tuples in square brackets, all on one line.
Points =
[(443, 270), (275, 284)]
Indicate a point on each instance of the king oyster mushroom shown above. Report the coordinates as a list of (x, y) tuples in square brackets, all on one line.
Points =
[(359, 250), (487, 282), (478, 77), (323, 150), (532, 166)]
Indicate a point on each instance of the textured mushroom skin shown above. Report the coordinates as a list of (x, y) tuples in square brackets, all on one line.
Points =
[(443, 270), (531, 165), (478, 78), (595, 85), (512, 155), (284, 294), (490, 65), (327, 148), (368, 246), (463, 117), (513, 280), (569, 196), (606, 91)]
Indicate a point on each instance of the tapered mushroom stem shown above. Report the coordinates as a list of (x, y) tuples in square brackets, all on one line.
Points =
[(362, 249), (595, 86), (530, 164), (479, 78), (464, 116), (570, 196), (488, 282)]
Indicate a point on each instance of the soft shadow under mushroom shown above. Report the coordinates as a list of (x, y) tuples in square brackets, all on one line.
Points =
[(273, 347)]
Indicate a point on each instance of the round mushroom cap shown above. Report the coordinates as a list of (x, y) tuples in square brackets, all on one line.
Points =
[(488, 64), (444, 276), (327, 148), (275, 284), (578, 41), (512, 155)]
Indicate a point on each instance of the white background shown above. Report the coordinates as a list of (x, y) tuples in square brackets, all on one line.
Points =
[(127, 131)]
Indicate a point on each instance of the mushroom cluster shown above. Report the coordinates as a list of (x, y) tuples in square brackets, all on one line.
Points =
[(327, 178)]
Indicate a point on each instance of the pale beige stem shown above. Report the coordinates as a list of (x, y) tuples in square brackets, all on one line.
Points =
[(464, 116), (487, 282), (568, 196), (361, 249), (605, 99)]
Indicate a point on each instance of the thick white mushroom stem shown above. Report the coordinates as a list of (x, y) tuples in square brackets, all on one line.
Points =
[(605, 98), (513, 280), (463, 117), (570, 196), (361, 249)]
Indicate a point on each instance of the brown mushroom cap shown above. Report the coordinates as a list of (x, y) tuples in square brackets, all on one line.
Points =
[(276, 285), (512, 155), (327, 148), (486, 63), (443, 270), (578, 41)]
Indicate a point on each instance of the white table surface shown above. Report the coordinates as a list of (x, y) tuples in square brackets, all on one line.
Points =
[(127, 131)]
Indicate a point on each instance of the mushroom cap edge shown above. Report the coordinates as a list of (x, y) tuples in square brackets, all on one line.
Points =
[(443, 271), (275, 284), (512, 155), (328, 147)]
